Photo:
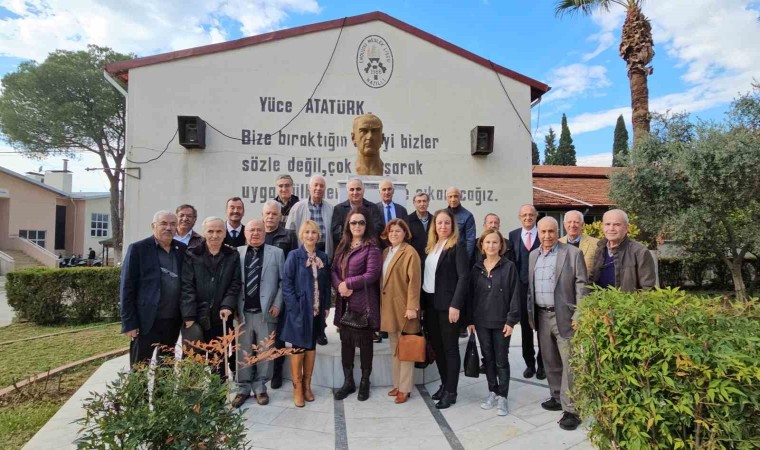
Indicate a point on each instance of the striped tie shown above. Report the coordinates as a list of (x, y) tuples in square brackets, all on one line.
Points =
[(252, 277)]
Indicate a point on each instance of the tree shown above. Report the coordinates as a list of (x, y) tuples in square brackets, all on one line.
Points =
[(550, 148), (620, 144), (63, 106), (536, 156), (699, 184), (566, 149), (636, 49)]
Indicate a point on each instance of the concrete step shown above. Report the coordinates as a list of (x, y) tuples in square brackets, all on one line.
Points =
[(22, 260)]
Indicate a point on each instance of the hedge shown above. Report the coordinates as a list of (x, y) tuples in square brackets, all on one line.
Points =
[(50, 296), (665, 370)]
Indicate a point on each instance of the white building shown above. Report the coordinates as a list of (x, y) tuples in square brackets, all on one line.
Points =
[(286, 101)]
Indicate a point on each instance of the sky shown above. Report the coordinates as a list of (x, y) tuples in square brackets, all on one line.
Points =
[(706, 51)]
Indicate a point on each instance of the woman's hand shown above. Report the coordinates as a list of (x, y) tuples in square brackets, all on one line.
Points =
[(507, 331), (344, 290), (471, 329), (453, 315), (410, 314)]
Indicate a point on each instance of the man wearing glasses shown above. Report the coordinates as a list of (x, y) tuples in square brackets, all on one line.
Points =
[(150, 290), (285, 197), (186, 217)]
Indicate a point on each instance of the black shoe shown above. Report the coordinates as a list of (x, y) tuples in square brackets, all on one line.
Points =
[(438, 394), (276, 382), (349, 387), (552, 405), (569, 421), (364, 386), (239, 400), (384, 334), (447, 400), (322, 340), (378, 338), (529, 372), (540, 374)]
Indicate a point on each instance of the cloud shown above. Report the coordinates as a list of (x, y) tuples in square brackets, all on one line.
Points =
[(609, 23), (38, 27), (576, 80), (596, 160), (82, 180)]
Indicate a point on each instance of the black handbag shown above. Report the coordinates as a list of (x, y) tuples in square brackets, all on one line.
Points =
[(472, 358), (429, 352), (355, 319)]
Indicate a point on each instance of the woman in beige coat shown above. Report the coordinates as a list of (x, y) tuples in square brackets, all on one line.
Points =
[(400, 287)]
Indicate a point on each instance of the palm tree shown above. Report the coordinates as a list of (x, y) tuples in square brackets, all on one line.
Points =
[(636, 49)]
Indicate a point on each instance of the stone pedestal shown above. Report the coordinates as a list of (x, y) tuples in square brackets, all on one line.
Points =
[(372, 189)]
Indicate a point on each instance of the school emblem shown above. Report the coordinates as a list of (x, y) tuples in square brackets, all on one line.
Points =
[(374, 61)]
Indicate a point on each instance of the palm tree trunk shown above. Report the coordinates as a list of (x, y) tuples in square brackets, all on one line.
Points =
[(637, 49), (639, 105)]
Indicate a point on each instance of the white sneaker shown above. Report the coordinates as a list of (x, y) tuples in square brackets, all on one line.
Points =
[(501, 408), (489, 401)]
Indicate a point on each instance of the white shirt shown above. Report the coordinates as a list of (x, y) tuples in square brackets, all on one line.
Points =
[(431, 263), (184, 239), (534, 234), (230, 229), (391, 253)]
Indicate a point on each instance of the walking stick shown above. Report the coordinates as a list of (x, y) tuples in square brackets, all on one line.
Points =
[(226, 364)]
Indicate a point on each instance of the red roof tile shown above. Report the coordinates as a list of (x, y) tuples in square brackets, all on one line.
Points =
[(573, 171), (571, 191)]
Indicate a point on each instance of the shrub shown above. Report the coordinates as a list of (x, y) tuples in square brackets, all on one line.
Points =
[(48, 296), (663, 370)]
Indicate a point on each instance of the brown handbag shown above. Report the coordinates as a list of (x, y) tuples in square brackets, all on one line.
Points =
[(411, 347)]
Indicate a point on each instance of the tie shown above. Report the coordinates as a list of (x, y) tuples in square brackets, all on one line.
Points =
[(234, 234), (528, 244), (388, 213), (251, 276)]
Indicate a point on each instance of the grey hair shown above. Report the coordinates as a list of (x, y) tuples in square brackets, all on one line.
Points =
[(421, 194), (454, 188), (574, 211), (210, 219), (619, 211), (489, 215), (317, 177), (551, 220), (284, 176), (274, 203), (161, 213), (535, 211), (361, 183)]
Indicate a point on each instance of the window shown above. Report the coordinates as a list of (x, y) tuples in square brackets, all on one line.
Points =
[(36, 236), (99, 225)]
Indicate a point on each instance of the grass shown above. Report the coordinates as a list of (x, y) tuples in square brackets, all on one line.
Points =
[(27, 329), (23, 413), (24, 359)]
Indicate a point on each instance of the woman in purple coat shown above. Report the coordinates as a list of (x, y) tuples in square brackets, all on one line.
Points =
[(355, 273)]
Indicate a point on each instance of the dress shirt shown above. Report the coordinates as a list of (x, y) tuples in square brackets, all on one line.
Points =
[(237, 230), (184, 239), (431, 263), (389, 207), (544, 276), (534, 234)]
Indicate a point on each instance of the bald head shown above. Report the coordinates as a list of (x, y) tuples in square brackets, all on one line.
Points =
[(548, 232), (453, 197), (386, 191), (255, 232), (615, 226), (527, 216), (573, 223), (317, 186)]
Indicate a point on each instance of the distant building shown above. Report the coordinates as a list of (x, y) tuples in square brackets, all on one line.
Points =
[(41, 218)]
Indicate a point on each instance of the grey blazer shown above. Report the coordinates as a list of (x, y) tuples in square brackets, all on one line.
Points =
[(570, 286), (299, 214), (271, 281)]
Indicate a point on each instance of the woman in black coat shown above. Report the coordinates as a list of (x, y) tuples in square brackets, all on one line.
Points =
[(445, 276), (493, 312)]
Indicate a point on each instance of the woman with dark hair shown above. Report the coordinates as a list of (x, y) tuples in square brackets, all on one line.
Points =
[(400, 287), (493, 312), (445, 285), (306, 293), (355, 273)]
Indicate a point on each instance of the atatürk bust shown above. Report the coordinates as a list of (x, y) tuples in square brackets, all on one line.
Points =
[(367, 136)]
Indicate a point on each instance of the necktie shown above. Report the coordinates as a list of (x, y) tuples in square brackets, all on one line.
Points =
[(234, 234), (528, 244), (388, 213), (251, 285)]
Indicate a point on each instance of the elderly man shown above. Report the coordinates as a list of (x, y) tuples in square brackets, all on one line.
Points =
[(465, 219), (235, 209), (620, 261), (524, 240), (315, 208), (557, 275), (186, 216), (149, 294), (419, 223), (210, 285), (355, 190), (259, 305), (574, 236), (386, 206), (285, 197)]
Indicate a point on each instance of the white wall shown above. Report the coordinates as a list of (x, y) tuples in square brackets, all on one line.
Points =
[(432, 92)]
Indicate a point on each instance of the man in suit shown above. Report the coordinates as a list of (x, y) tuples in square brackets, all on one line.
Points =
[(524, 240), (419, 223), (387, 208), (574, 236), (557, 274), (150, 290), (355, 191), (319, 210), (259, 306), (235, 209)]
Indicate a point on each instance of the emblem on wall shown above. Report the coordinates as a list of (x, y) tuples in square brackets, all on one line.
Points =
[(374, 61)]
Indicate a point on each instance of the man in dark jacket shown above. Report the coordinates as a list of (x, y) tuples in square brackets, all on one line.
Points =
[(235, 210), (419, 223), (285, 197), (387, 208), (149, 291), (356, 199), (620, 261), (186, 217), (211, 282)]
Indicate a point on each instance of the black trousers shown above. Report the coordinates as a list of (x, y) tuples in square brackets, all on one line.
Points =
[(217, 331), (164, 332), (528, 351), (495, 349), (444, 337)]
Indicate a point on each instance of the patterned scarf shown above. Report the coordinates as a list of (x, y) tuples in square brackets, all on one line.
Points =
[(315, 263)]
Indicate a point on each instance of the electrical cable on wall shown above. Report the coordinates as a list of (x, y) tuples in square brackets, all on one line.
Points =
[(160, 154), (510, 100)]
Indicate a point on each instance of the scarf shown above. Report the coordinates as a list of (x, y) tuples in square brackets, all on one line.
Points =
[(313, 261)]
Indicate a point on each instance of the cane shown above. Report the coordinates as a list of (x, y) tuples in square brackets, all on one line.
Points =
[(226, 363)]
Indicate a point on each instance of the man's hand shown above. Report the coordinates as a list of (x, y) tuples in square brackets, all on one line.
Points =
[(507, 331), (453, 315), (410, 314), (224, 314), (189, 323), (274, 311), (132, 334)]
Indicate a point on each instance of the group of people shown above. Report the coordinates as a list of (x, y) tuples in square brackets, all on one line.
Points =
[(385, 270)]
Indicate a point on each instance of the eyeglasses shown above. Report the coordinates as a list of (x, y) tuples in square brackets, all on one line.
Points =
[(360, 223)]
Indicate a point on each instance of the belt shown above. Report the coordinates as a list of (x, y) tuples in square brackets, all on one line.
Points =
[(257, 310), (545, 308)]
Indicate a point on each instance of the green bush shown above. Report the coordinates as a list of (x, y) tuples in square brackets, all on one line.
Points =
[(49, 296), (664, 370)]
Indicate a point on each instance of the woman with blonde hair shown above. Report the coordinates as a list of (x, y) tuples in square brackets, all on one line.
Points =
[(306, 295), (400, 297), (445, 285)]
